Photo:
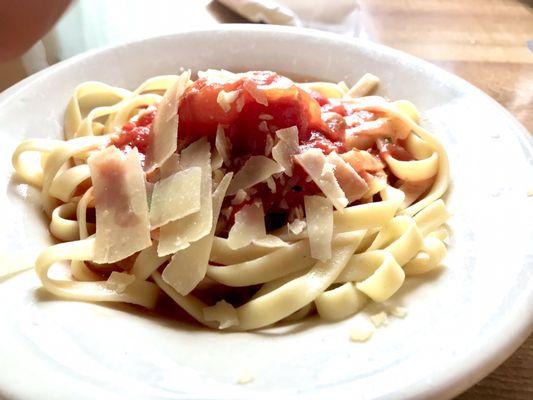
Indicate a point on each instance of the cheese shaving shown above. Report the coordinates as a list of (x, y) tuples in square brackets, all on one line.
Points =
[(122, 223), (223, 145), (297, 226), (240, 197), (223, 313), (319, 216), (165, 126), (286, 148), (119, 281), (255, 170), (178, 234), (379, 319), (175, 197), (249, 225), (188, 267), (245, 379), (315, 164), (239, 104), (269, 145), (225, 99), (399, 312), (263, 127), (271, 184), (170, 166), (351, 183), (270, 241), (216, 163), (258, 95)]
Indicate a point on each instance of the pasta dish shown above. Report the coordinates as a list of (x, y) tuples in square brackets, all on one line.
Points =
[(246, 198)]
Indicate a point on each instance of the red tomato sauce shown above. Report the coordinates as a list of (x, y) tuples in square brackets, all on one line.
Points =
[(265, 103), (136, 134)]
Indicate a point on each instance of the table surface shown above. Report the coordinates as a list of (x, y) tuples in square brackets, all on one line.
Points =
[(483, 41)]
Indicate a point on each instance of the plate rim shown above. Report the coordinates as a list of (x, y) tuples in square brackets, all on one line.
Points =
[(462, 372)]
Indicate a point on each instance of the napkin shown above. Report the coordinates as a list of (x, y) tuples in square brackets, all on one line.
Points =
[(339, 16)]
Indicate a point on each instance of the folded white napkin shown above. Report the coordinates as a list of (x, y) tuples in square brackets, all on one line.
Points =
[(332, 15)]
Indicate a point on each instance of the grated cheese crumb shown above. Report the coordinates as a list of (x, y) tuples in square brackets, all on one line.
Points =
[(240, 196), (223, 313), (399, 312), (297, 226), (266, 117), (269, 145), (361, 331), (379, 319), (245, 378), (263, 127)]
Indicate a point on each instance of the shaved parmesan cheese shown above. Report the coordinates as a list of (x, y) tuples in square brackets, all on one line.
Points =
[(314, 163), (245, 379), (222, 145), (239, 104), (266, 117), (271, 184), (170, 166), (255, 170), (218, 75), (225, 99), (270, 241), (379, 319), (178, 234), (165, 126), (122, 223), (119, 281), (361, 331), (380, 127), (249, 225), (227, 212), (216, 162), (258, 95), (175, 197), (319, 216), (297, 226), (240, 196), (223, 313), (353, 186), (399, 312), (189, 266), (263, 127), (286, 148), (268, 145)]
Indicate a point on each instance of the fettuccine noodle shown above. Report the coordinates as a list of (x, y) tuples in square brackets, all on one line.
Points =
[(245, 198)]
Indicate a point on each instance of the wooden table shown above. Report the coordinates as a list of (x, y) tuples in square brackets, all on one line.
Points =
[(483, 41)]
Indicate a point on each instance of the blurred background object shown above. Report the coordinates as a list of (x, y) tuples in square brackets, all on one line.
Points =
[(484, 41)]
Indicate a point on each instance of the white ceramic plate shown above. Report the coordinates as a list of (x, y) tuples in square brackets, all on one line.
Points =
[(462, 322)]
